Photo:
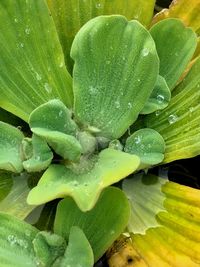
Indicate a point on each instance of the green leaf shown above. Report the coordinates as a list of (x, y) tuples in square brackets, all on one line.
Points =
[(53, 122), (48, 247), (41, 155), (101, 225), (10, 145), (70, 16), (112, 81), (16, 249), (179, 123), (14, 190), (82, 183), (148, 145), (78, 253), (32, 67), (171, 214), (175, 45), (159, 98)]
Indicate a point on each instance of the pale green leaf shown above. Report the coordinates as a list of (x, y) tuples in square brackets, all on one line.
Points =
[(82, 183), (148, 145), (179, 123), (41, 155), (10, 145), (159, 98), (175, 45), (170, 214), (78, 253), (16, 249), (32, 69), (53, 122), (101, 225), (112, 81), (70, 16), (14, 190)]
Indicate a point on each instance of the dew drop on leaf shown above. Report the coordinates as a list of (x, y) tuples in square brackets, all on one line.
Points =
[(47, 87), (145, 52), (172, 118), (160, 98)]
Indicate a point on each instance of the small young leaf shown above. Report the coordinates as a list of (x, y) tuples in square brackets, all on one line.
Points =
[(101, 225), (83, 184), (48, 247), (159, 98), (148, 145), (78, 252), (41, 157), (112, 81), (32, 67), (53, 122), (16, 249), (175, 45), (10, 146)]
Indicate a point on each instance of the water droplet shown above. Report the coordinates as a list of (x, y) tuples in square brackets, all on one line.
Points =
[(60, 113), (37, 158), (172, 118), (61, 64), (123, 58), (111, 47), (157, 113), (98, 5), (12, 239), (28, 233), (15, 20), (160, 98), (191, 109), (108, 62), (48, 88), (38, 77), (198, 85), (117, 104), (137, 139), (27, 30), (145, 52), (138, 80), (112, 232), (21, 45), (93, 90), (130, 105)]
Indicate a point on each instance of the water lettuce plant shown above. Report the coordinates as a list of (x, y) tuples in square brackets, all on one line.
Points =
[(99, 94)]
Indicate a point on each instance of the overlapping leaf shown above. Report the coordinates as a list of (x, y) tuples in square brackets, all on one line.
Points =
[(170, 215), (148, 145), (70, 16), (111, 74), (175, 45), (53, 122), (14, 190), (16, 238), (32, 68), (179, 123), (102, 225), (84, 183), (10, 145)]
